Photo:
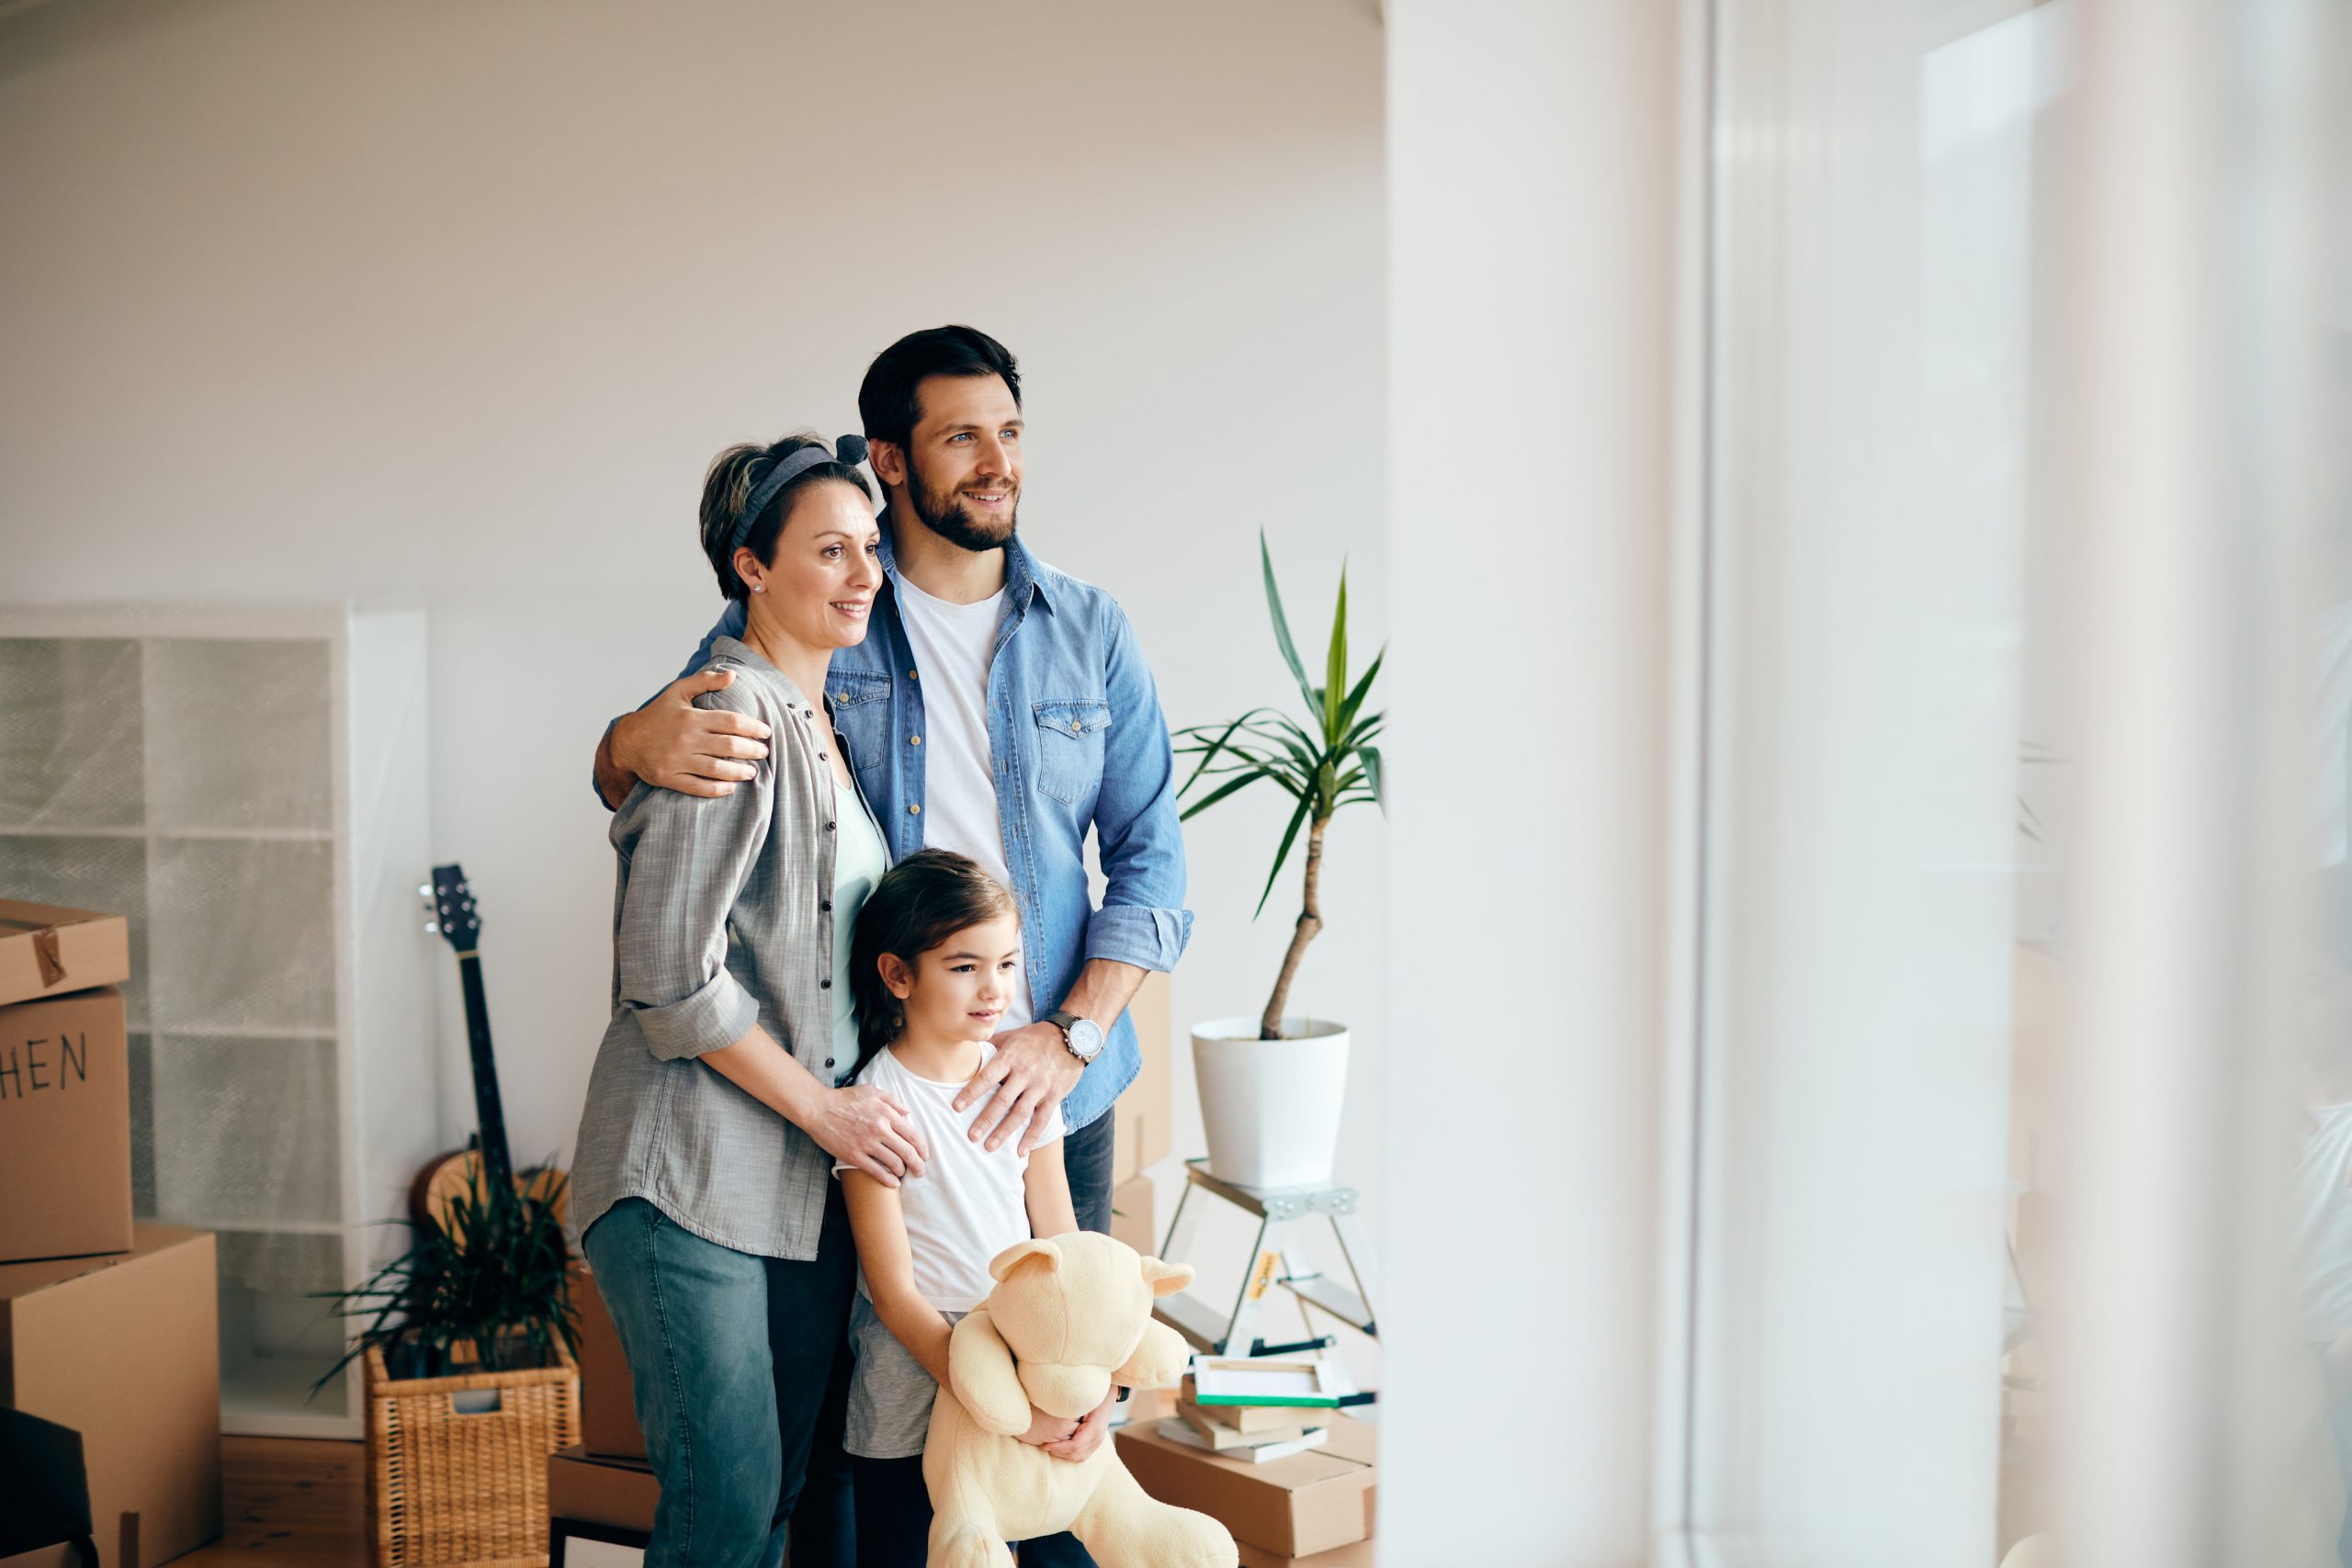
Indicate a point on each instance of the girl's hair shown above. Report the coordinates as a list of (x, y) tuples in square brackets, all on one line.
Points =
[(734, 475), (919, 904)]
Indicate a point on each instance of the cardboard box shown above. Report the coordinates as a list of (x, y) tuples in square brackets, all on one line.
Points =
[(44, 1494), (607, 1398), (618, 1493), (1297, 1506), (64, 1127), (126, 1350), (47, 950), (1131, 1216), (1142, 1124), (1363, 1554)]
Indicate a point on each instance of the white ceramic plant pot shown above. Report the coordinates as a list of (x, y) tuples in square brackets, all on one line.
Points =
[(1271, 1107)]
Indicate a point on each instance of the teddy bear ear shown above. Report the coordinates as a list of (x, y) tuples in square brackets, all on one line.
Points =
[(1166, 1279), (1013, 1257)]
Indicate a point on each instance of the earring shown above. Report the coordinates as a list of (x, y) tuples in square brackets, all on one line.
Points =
[(759, 588)]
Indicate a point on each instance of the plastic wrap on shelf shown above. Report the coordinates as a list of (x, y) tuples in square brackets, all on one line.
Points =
[(245, 1131), (295, 1262), (70, 749), (238, 735), (243, 935)]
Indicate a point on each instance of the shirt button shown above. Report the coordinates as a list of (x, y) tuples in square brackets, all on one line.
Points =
[(826, 984), (822, 758), (828, 1061), (914, 740), (828, 827), (913, 810), (824, 903), (914, 674)]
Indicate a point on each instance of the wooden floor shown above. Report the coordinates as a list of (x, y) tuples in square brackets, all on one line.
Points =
[(286, 1503)]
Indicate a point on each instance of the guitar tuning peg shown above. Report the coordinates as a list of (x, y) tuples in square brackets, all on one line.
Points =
[(432, 927), (424, 889)]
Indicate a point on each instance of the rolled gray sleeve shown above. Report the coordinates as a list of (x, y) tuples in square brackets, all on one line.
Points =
[(688, 859)]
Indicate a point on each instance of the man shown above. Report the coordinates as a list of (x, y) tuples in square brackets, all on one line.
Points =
[(997, 708)]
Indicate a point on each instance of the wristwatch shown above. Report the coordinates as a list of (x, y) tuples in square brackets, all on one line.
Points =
[(1082, 1035)]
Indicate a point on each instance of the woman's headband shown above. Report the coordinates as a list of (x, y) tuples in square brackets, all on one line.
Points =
[(849, 449)]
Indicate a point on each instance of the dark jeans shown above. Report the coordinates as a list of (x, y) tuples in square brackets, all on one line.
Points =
[(894, 1520), (1085, 1159), (736, 1362), (893, 1504)]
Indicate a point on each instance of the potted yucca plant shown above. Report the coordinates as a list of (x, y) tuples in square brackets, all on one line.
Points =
[(1271, 1087)]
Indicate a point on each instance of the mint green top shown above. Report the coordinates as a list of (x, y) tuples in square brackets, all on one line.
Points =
[(860, 858)]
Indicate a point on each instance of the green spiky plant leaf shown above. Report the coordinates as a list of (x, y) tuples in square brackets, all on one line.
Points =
[(491, 1274), (1327, 762)]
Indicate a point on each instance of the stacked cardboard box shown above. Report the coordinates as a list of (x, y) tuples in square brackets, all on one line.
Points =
[(1298, 1507), (106, 1326), (1142, 1124), (616, 1494), (608, 1425)]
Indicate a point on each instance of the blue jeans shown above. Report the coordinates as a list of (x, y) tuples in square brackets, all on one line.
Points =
[(736, 1364)]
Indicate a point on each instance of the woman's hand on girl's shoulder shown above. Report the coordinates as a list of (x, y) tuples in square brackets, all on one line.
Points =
[(862, 1126)]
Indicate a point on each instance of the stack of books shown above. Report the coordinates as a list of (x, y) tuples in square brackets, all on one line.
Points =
[(1257, 1409)]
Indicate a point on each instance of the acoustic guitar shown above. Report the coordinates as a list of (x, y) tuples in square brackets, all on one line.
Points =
[(450, 900)]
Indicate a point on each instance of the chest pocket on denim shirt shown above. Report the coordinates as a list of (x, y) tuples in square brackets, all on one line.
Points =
[(860, 714), (1069, 749)]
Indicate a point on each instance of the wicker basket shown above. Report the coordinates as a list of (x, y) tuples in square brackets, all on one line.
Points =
[(446, 1489)]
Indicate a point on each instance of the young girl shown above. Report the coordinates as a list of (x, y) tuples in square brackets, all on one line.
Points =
[(936, 957)]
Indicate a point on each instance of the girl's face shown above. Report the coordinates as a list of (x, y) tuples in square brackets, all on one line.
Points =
[(819, 589), (959, 990)]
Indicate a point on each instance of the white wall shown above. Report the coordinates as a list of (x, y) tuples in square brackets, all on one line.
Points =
[(450, 304), (1531, 248)]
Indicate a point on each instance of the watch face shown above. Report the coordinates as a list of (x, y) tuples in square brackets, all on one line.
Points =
[(1086, 1038)]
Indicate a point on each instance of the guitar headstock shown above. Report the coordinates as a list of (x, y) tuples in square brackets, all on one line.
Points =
[(450, 901)]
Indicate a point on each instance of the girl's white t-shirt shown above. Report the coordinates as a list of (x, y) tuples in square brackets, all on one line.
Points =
[(969, 1203)]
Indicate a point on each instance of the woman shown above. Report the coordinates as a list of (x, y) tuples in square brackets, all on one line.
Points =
[(716, 1110)]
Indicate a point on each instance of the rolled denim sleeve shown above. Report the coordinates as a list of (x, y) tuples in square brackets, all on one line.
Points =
[(688, 860), (730, 624), (1138, 837)]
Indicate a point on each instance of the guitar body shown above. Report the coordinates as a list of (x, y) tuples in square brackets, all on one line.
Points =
[(459, 1171), (450, 900)]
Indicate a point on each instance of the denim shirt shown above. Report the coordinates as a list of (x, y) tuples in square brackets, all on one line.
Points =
[(1077, 740)]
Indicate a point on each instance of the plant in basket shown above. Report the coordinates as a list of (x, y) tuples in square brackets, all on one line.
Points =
[(483, 1288), (470, 1380), (1272, 1088)]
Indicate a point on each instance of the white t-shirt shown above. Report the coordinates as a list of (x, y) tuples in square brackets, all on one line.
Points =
[(969, 1203), (952, 645)]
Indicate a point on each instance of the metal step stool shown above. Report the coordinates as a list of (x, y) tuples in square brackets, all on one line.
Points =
[(1278, 1210)]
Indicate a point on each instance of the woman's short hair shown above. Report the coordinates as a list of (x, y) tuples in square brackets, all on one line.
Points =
[(734, 475), (917, 903)]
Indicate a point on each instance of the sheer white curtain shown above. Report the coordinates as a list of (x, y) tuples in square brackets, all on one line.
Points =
[(2017, 534), (1867, 476)]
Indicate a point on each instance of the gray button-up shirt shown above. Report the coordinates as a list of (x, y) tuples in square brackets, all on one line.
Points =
[(722, 917)]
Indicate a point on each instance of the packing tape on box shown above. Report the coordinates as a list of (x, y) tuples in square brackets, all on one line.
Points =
[(45, 953)]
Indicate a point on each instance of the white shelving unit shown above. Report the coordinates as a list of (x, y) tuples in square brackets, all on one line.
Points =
[(248, 786)]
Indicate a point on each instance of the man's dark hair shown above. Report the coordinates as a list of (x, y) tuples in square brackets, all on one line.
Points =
[(734, 475), (917, 905), (886, 400)]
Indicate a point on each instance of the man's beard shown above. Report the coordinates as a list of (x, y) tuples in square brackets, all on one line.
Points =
[(946, 516)]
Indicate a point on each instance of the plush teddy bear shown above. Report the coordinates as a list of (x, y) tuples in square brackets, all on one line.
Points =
[(1068, 1316)]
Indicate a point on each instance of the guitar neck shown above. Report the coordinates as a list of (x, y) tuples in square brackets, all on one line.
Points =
[(498, 1169)]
